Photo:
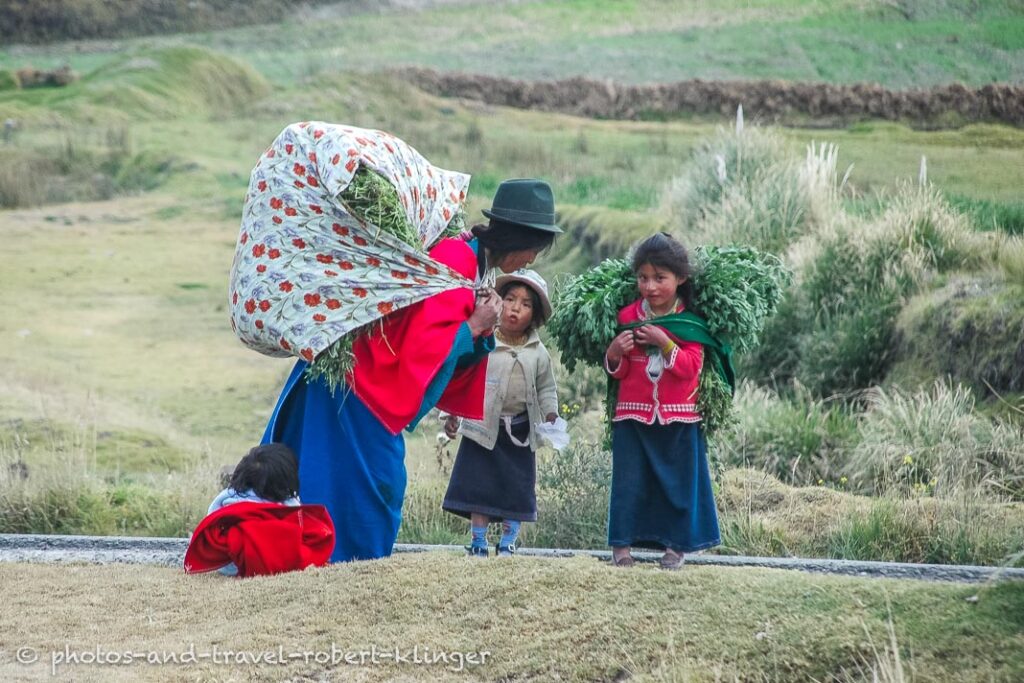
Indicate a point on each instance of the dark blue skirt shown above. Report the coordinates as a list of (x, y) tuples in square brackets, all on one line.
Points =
[(500, 483), (661, 493), (348, 461)]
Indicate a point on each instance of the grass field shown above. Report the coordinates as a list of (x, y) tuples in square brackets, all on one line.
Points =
[(115, 317), (904, 44), (123, 391), (538, 620)]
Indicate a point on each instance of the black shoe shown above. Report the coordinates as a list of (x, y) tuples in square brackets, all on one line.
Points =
[(504, 550), (474, 551)]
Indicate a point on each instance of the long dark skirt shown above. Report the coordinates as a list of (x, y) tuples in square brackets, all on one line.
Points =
[(661, 493), (500, 483)]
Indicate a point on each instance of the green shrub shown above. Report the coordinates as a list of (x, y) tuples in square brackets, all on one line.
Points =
[(853, 277), (573, 487), (9, 80), (971, 330), (847, 351), (797, 438), (933, 442)]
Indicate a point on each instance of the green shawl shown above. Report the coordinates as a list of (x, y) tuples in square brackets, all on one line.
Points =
[(691, 327)]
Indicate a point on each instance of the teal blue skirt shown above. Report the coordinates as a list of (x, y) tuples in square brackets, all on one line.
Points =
[(348, 462)]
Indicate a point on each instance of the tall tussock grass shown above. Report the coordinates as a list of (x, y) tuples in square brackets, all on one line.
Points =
[(972, 328), (836, 332), (748, 187), (797, 438), (933, 440), (930, 442), (1011, 260), (71, 497), (81, 163)]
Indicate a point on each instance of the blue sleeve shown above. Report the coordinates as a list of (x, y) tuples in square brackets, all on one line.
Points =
[(465, 352)]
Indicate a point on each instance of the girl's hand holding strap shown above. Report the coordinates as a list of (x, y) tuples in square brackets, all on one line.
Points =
[(620, 346), (653, 335)]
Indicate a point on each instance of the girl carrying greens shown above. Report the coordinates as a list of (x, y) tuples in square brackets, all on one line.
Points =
[(661, 495)]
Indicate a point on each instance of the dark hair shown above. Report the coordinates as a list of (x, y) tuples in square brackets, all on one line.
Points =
[(501, 238), (270, 470), (661, 250), (538, 308)]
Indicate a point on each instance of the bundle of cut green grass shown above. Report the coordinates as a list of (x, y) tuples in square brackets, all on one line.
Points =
[(371, 198), (735, 289), (374, 200)]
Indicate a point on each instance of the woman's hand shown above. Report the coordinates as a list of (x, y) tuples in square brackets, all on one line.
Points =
[(551, 417), (620, 346), (451, 426), (652, 335), (486, 314)]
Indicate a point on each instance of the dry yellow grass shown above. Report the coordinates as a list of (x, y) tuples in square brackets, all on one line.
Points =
[(574, 619)]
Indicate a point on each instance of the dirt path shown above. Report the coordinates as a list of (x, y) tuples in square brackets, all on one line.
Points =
[(169, 552)]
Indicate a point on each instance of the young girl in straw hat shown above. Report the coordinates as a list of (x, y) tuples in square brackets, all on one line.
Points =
[(495, 473)]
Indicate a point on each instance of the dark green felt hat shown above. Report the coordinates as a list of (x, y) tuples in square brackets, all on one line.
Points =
[(524, 201)]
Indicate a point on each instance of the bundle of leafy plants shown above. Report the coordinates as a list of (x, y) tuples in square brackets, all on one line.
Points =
[(735, 289), (374, 200)]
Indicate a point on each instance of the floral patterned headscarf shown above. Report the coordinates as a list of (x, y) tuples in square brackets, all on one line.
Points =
[(306, 271)]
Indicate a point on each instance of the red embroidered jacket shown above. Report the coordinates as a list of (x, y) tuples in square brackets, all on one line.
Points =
[(648, 395)]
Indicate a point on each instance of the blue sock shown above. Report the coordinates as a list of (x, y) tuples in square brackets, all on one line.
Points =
[(509, 532), (479, 536)]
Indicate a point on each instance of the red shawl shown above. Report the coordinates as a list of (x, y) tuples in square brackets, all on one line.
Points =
[(261, 538), (394, 365)]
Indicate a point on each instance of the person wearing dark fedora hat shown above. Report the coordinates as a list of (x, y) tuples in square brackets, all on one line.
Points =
[(521, 225), (526, 202)]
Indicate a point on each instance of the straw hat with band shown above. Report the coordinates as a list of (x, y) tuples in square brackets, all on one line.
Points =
[(531, 279)]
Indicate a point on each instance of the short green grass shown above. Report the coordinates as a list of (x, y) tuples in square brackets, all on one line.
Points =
[(640, 41), (570, 620)]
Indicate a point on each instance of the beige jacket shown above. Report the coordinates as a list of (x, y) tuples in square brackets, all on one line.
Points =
[(541, 397)]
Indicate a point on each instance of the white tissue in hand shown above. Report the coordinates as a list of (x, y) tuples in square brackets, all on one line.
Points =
[(555, 433)]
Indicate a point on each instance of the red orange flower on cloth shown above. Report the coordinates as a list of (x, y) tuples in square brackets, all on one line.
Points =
[(306, 270)]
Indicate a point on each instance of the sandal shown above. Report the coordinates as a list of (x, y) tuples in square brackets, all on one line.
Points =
[(671, 560), (624, 561)]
